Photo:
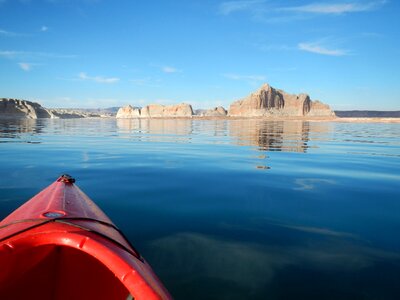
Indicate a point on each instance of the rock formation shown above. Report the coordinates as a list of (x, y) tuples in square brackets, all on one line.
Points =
[(268, 101), (156, 111), (218, 111), (61, 113), (320, 109), (13, 108), (128, 112), (161, 111)]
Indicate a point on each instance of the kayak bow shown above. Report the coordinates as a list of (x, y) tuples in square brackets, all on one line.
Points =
[(60, 245)]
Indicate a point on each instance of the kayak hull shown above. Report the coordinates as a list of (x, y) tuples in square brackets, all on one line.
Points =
[(60, 245)]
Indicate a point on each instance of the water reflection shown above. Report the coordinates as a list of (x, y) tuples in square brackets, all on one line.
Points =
[(293, 136), (18, 128), (288, 136), (320, 225), (156, 126)]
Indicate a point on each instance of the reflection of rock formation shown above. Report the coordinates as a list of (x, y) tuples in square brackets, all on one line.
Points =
[(290, 136), (156, 126), (12, 108), (268, 101), (15, 128), (214, 127)]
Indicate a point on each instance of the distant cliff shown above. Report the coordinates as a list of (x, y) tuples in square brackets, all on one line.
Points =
[(156, 111), (23, 109), (268, 101), (13, 108)]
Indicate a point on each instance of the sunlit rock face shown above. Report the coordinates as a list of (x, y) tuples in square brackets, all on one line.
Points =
[(320, 109), (268, 101), (128, 112), (218, 111), (166, 111), (13, 108)]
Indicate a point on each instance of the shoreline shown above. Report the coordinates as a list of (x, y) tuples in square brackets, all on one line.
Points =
[(210, 118)]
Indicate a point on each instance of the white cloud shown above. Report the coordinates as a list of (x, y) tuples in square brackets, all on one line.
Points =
[(25, 66), (147, 81), (318, 49), (10, 54), (168, 69), (7, 33), (44, 28), (252, 78), (271, 12), (99, 79), (336, 8), (229, 7)]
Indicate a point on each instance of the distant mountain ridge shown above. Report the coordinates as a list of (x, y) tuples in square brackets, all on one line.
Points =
[(367, 114)]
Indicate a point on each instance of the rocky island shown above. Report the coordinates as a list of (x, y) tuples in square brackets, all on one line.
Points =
[(14, 108), (23, 109), (266, 102)]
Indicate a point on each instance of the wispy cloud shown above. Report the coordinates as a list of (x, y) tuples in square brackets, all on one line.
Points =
[(12, 54), (8, 33), (147, 81), (44, 28), (169, 69), (98, 79), (320, 49), (229, 7), (25, 66), (250, 79), (166, 68), (273, 47), (267, 11), (244, 77), (9, 54), (335, 8)]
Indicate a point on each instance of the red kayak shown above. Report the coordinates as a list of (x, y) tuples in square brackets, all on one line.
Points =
[(60, 245)]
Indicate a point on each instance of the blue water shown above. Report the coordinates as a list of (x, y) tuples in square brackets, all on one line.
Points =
[(231, 209)]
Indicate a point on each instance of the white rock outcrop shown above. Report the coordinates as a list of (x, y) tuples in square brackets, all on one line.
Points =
[(128, 112)]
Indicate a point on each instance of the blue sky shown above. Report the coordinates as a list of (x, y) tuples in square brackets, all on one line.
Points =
[(101, 53)]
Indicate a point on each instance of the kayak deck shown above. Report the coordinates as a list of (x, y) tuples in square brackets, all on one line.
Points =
[(60, 245)]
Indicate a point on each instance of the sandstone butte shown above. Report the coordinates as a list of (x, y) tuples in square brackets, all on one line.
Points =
[(268, 101), (156, 111)]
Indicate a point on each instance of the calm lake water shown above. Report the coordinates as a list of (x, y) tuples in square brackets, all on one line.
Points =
[(231, 209)]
